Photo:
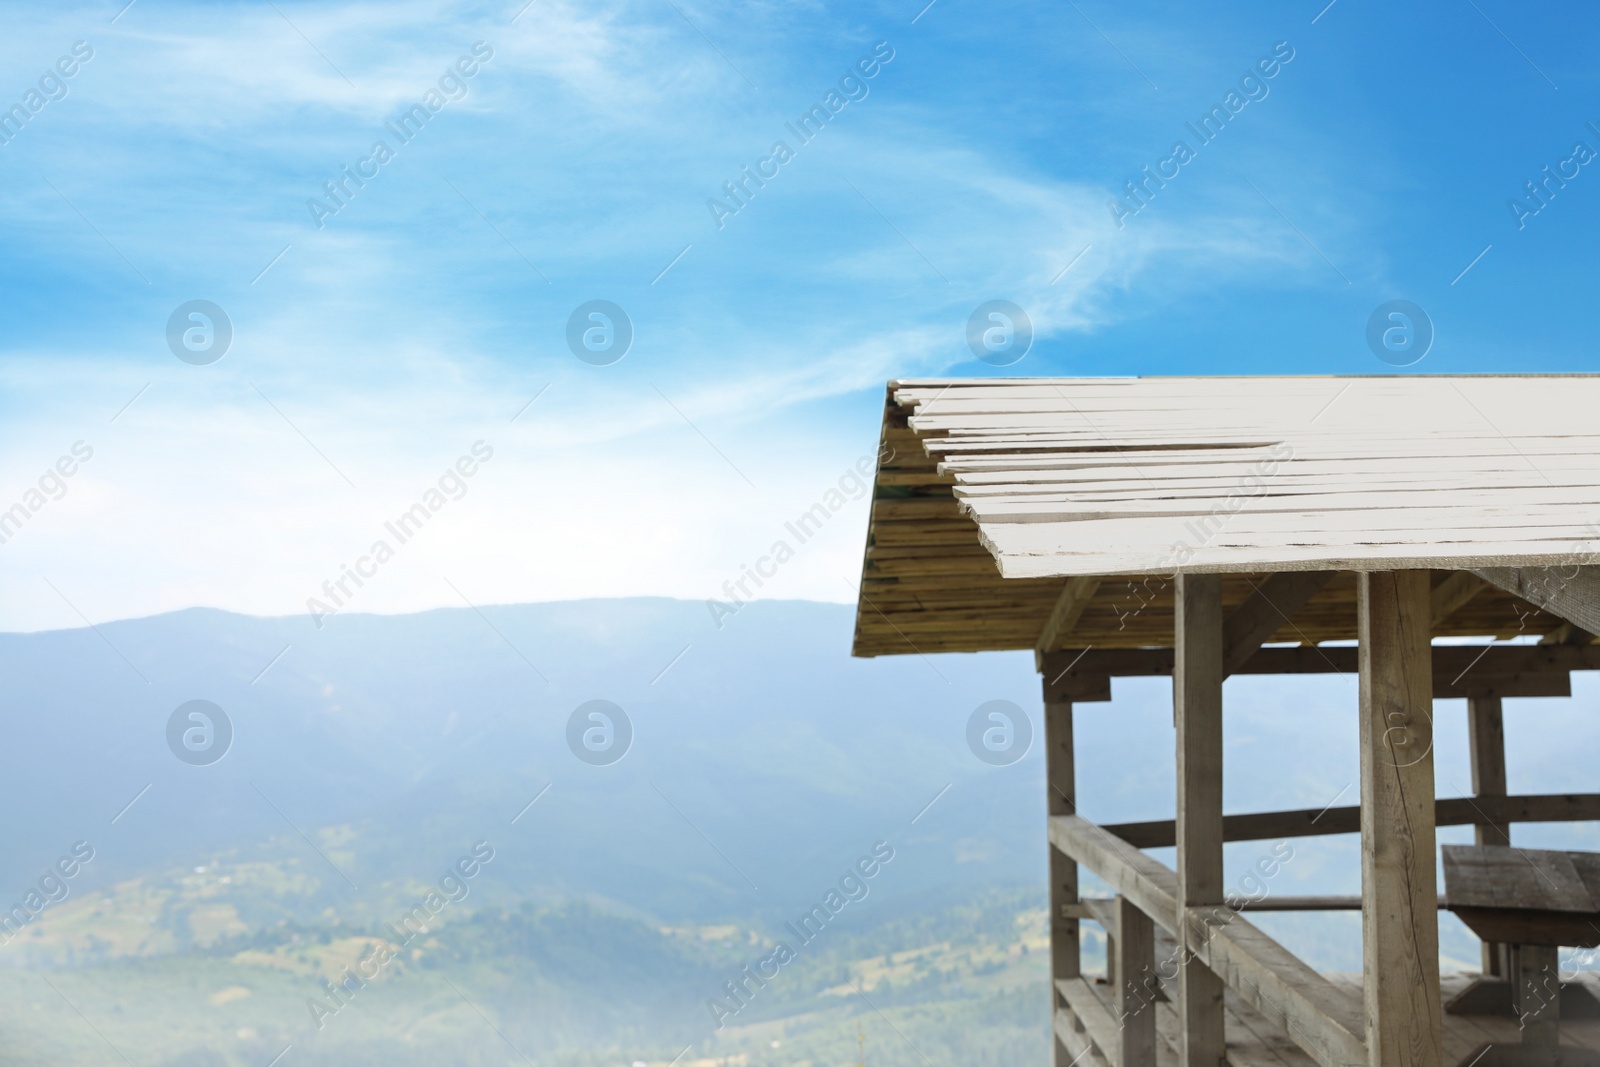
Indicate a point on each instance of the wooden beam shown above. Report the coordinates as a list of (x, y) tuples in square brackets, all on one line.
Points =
[(1399, 920), (1266, 611), (1311, 903), (1332, 902), (1103, 910), (1068, 609), (1135, 992), (1316, 903), (1071, 1034), (1486, 745), (1149, 883), (1568, 634), (1315, 822), (1452, 594), (1095, 1025), (1061, 799), (1536, 994), (1197, 709), (1570, 593), (1454, 686), (1318, 1016), (1458, 670)]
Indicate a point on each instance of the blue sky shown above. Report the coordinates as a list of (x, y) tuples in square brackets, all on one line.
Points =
[(371, 352)]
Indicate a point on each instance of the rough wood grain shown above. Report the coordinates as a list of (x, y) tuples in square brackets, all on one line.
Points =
[(1536, 993), (1486, 746), (1069, 607), (1400, 932), (1272, 605), (1146, 477), (1458, 670), (1103, 910), (1098, 1024), (1495, 876), (1150, 884), (1570, 592), (1061, 799), (1315, 822), (1197, 707), (1451, 594), (1320, 1018), (1134, 1000), (1525, 896), (1072, 1037)]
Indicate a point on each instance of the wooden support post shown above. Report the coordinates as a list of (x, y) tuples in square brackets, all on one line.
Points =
[(1399, 891), (1486, 741), (1197, 713), (1061, 783), (1536, 993), (1135, 987)]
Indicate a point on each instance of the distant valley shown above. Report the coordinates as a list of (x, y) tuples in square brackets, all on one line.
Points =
[(371, 761)]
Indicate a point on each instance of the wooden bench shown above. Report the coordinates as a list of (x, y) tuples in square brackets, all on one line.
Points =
[(1533, 902)]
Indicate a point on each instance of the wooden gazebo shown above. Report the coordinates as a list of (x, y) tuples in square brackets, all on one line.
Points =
[(1202, 527)]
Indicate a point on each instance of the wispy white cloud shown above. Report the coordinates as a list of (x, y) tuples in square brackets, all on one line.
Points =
[(410, 326)]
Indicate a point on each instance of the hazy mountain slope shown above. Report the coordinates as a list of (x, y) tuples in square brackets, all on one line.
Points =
[(764, 761), (423, 733)]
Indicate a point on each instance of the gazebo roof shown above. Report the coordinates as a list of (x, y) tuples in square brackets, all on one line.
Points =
[(1004, 505)]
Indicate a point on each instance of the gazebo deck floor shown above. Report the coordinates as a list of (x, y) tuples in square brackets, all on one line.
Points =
[(1253, 1041)]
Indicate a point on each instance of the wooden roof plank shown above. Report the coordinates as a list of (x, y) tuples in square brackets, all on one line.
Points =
[(991, 483)]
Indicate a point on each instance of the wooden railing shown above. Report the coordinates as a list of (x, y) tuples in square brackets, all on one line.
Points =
[(1313, 822), (1319, 1017)]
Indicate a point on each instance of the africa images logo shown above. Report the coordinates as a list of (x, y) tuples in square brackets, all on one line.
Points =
[(199, 733), (599, 732), (999, 732)]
